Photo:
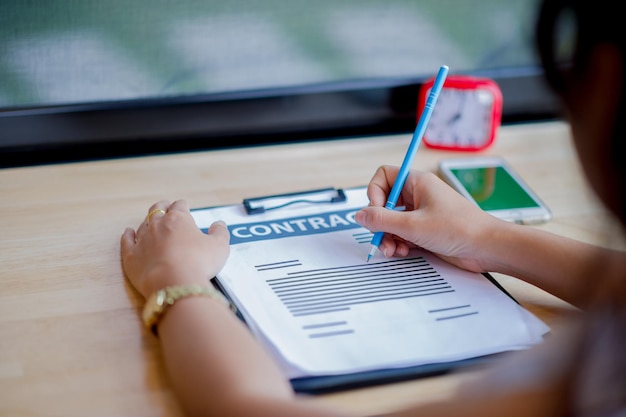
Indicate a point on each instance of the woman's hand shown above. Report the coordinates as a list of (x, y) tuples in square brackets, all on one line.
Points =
[(436, 218), (169, 249)]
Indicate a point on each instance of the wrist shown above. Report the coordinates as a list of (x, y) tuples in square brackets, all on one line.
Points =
[(160, 301), (163, 276), (498, 237)]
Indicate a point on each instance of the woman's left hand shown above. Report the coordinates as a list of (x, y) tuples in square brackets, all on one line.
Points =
[(169, 249)]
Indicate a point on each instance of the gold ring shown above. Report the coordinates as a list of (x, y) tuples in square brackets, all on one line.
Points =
[(154, 212)]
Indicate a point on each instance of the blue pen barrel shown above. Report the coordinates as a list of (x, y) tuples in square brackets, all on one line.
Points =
[(390, 205), (410, 153)]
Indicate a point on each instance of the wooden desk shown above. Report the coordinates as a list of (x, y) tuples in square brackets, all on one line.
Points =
[(71, 341)]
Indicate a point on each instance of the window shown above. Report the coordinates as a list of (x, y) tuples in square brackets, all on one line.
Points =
[(102, 78)]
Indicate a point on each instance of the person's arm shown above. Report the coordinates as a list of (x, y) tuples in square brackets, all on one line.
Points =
[(215, 364), (569, 269), (439, 219), (217, 368)]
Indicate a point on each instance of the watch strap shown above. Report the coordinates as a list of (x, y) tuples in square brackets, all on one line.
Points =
[(161, 300)]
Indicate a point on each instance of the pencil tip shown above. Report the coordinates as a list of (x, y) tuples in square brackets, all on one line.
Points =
[(368, 258)]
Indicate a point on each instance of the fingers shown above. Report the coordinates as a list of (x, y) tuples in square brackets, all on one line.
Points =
[(161, 208), (381, 219), (169, 249), (394, 246), (220, 230), (380, 185), (394, 224), (178, 205), (127, 241), (157, 210)]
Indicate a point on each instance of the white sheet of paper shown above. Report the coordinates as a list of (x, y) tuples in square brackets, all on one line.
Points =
[(299, 277)]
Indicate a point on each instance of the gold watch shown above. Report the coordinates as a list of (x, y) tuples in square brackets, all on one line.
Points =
[(158, 303)]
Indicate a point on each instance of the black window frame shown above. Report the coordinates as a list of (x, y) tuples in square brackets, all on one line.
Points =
[(90, 131)]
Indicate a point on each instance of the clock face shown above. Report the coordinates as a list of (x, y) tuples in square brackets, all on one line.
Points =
[(461, 118), (465, 116)]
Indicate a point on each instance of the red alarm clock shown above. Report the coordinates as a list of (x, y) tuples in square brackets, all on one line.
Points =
[(466, 116)]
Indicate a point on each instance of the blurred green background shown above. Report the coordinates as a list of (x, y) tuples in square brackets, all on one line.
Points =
[(77, 51)]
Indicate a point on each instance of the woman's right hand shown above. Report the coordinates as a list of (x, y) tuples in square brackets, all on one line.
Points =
[(436, 218)]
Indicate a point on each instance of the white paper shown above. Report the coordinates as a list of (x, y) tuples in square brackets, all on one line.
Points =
[(299, 277)]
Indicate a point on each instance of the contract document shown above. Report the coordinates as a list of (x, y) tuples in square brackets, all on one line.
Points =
[(298, 276)]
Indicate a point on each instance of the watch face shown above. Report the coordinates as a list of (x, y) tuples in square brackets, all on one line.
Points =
[(465, 117)]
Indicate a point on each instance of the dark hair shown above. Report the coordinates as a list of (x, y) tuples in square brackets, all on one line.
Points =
[(567, 33)]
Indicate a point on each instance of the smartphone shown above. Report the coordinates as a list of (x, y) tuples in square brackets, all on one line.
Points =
[(494, 187)]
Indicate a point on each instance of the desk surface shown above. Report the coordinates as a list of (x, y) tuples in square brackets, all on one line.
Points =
[(71, 340)]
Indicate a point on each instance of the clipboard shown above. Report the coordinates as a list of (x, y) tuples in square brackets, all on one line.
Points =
[(333, 383), (258, 205), (317, 384)]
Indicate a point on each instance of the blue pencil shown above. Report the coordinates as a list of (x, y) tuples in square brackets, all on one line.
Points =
[(410, 153)]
